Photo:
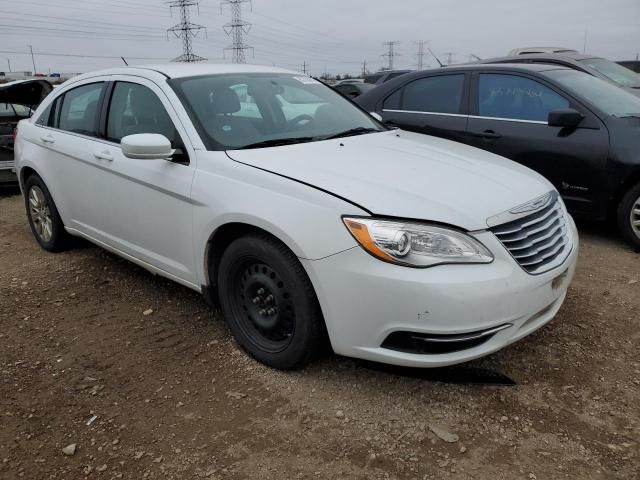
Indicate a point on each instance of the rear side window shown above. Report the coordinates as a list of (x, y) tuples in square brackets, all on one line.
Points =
[(518, 98), (439, 94), (79, 111), (44, 119)]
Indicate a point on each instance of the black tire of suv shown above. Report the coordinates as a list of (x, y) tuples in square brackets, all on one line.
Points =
[(253, 269), (625, 209), (60, 239)]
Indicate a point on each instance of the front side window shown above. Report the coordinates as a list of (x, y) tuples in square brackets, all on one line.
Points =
[(136, 109), (235, 111), (517, 98), (79, 111), (438, 94)]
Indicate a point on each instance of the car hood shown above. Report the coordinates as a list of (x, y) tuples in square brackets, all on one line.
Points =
[(403, 174), (29, 93)]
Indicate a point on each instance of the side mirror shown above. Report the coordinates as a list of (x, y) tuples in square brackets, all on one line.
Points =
[(377, 116), (146, 146), (567, 118)]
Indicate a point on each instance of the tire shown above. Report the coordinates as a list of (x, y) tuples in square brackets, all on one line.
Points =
[(44, 220), (269, 303), (629, 217)]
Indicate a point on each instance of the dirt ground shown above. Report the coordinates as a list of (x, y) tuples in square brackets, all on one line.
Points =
[(169, 395)]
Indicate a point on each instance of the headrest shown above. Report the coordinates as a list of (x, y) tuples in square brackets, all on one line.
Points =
[(225, 100)]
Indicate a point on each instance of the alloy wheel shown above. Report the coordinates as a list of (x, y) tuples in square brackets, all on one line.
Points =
[(40, 214), (635, 217)]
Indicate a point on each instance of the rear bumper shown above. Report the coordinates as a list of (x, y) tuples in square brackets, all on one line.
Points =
[(365, 300)]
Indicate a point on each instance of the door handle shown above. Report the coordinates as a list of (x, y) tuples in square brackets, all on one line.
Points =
[(488, 134), (48, 139), (104, 156)]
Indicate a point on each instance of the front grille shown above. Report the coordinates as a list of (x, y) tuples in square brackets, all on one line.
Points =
[(540, 241)]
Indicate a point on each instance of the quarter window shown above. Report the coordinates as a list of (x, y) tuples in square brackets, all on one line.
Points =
[(518, 98), (438, 94), (80, 107)]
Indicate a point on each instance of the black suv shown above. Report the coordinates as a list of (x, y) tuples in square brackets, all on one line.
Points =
[(579, 131)]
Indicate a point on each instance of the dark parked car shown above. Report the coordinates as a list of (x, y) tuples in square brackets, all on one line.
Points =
[(596, 66), (18, 100), (353, 90), (384, 76), (579, 131)]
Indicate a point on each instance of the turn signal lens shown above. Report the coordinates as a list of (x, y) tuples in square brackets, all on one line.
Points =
[(416, 244)]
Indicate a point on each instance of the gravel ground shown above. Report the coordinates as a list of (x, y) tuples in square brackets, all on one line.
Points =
[(109, 372)]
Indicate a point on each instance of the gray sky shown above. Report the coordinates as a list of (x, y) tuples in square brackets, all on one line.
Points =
[(336, 35)]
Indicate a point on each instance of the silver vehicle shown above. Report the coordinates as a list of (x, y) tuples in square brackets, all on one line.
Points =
[(533, 50)]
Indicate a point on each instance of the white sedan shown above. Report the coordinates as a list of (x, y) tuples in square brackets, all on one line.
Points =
[(311, 225)]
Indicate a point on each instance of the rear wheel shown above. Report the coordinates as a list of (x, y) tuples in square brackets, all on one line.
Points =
[(269, 303), (629, 216), (44, 220)]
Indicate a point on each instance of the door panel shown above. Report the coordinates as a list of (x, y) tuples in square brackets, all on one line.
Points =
[(433, 105), (512, 122), (67, 140), (145, 205)]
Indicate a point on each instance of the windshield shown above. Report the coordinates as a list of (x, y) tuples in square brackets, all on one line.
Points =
[(606, 97), (238, 111), (619, 74)]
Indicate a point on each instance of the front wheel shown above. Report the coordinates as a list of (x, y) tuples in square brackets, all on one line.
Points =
[(629, 216), (269, 303)]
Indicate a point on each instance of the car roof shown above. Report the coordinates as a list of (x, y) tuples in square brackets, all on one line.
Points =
[(182, 70), (570, 56), (526, 67)]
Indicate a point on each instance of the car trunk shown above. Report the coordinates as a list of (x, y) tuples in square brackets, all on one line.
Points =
[(18, 100)]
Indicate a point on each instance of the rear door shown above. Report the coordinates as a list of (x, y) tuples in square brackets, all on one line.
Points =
[(434, 105), (509, 117), (67, 133)]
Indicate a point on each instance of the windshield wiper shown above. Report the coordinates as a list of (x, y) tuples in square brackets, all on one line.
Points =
[(352, 132), (277, 142)]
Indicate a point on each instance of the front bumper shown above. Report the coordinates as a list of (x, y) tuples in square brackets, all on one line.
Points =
[(364, 300)]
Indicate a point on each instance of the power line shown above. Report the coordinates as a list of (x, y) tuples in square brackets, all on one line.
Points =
[(237, 28), (72, 55), (391, 54), (186, 30)]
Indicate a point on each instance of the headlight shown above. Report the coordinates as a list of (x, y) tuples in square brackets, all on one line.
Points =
[(416, 244)]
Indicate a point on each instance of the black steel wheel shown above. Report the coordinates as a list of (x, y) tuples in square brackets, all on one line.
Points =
[(269, 303)]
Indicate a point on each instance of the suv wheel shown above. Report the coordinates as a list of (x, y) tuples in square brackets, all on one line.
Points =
[(44, 220), (629, 216), (269, 303)]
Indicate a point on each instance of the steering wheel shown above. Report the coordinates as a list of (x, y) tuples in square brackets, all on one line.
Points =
[(297, 121)]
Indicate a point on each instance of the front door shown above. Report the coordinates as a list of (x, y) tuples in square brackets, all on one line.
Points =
[(145, 205), (433, 105), (510, 118)]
